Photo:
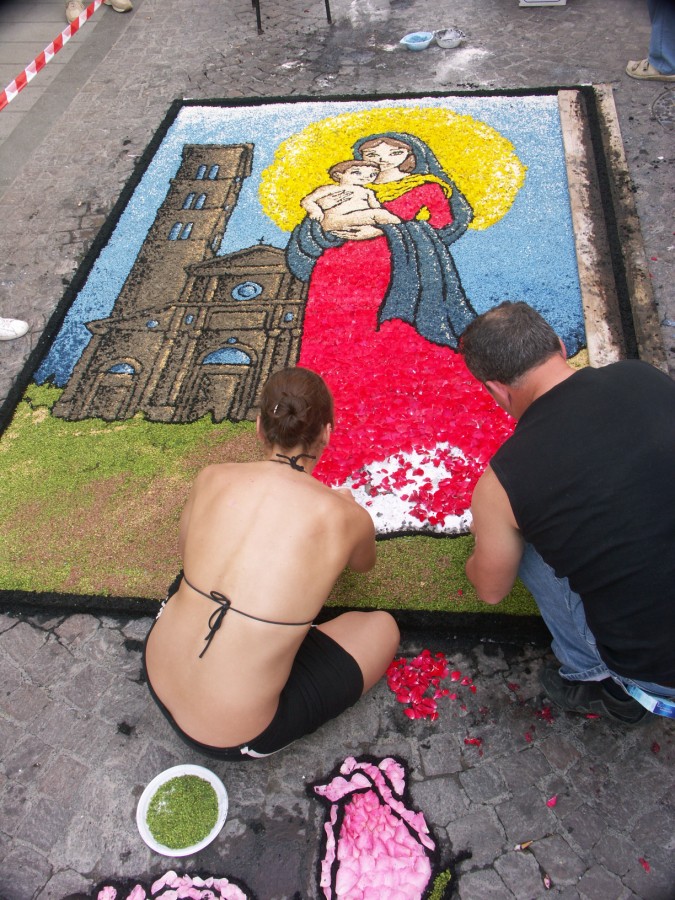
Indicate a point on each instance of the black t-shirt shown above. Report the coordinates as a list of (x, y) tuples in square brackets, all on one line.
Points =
[(590, 474)]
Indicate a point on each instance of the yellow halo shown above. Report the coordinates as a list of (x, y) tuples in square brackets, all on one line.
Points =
[(482, 162)]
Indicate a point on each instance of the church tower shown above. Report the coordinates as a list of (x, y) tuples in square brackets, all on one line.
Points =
[(189, 225), (192, 333)]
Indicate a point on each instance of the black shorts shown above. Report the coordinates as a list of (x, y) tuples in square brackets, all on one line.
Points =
[(325, 680)]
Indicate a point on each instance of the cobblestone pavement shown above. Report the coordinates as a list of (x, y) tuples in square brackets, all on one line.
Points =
[(79, 737)]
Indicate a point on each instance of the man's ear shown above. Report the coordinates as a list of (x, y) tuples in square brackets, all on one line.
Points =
[(563, 348), (501, 393), (258, 430)]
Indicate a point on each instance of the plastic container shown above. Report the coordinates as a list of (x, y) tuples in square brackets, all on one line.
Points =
[(448, 38), (151, 790), (417, 40)]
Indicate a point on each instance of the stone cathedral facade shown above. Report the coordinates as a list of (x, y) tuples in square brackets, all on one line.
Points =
[(192, 333)]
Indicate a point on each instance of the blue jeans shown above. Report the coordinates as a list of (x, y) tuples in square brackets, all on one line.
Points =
[(662, 43), (573, 641)]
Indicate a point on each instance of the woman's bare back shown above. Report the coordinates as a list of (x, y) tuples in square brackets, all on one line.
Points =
[(273, 541)]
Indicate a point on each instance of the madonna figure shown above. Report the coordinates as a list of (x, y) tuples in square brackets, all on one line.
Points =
[(384, 314)]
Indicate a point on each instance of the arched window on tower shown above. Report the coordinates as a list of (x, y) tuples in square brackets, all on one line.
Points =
[(201, 173), (189, 200), (175, 231), (201, 200), (213, 172), (185, 233)]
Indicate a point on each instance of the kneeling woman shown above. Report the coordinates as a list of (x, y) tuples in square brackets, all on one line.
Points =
[(233, 660)]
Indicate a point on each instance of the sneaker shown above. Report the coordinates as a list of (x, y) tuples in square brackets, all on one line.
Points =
[(119, 5), (12, 328), (591, 697), (645, 71), (73, 10)]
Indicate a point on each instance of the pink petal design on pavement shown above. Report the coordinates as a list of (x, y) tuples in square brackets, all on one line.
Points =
[(381, 846)]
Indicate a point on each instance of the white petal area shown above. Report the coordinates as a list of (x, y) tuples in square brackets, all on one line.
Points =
[(392, 508)]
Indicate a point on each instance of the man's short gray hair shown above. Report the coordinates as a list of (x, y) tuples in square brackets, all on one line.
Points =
[(507, 341)]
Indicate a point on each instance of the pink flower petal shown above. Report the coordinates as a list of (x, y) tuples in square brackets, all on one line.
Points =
[(551, 802)]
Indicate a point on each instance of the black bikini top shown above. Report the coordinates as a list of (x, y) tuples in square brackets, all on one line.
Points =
[(224, 606)]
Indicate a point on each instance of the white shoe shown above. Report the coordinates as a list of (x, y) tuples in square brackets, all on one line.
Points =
[(73, 10), (119, 5), (12, 328)]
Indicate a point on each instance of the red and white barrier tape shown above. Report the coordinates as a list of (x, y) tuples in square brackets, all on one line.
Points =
[(47, 54)]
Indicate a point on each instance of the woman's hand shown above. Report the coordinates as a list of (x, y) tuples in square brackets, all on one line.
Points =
[(359, 233)]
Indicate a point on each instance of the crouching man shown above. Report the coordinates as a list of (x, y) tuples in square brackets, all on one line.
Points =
[(580, 504)]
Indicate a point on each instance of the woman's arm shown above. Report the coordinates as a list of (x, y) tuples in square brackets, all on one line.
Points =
[(426, 202), (364, 553)]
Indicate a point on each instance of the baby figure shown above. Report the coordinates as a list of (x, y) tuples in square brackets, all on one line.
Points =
[(348, 204)]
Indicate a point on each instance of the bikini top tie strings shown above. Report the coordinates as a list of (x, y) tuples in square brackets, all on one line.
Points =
[(224, 606), (292, 461)]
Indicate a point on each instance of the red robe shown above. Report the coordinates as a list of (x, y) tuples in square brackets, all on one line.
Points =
[(395, 392)]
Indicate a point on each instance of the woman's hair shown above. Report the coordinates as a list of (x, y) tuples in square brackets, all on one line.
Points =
[(295, 405), (507, 341), (408, 164)]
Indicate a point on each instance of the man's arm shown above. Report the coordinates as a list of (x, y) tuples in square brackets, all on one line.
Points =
[(493, 565)]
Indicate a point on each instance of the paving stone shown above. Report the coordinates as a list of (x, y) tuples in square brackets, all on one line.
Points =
[(77, 629), (50, 663), (584, 826), (615, 852), (440, 755), (86, 685), (483, 784), (560, 753), (657, 882), (10, 675), (124, 702), (29, 758), (598, 884), (520, 873), (480, 832), (6, 622), (14, 801), (558, 860), (61, 778), (24, 703), (655, 828), (485, 885), (526, 817), (23, 872), (442, 800), (21, 642), (46, 823), (526, 767), (64, 884)]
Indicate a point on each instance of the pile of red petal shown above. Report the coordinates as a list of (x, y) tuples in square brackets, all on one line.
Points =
[(417, 683)]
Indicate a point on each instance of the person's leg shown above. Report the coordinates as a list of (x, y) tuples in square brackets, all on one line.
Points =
[(660, 64), (662, 42), (372, 638), (562, 610)]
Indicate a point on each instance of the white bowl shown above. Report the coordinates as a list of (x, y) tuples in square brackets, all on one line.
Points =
[(449, 38), (417, 40), (151, 790)]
